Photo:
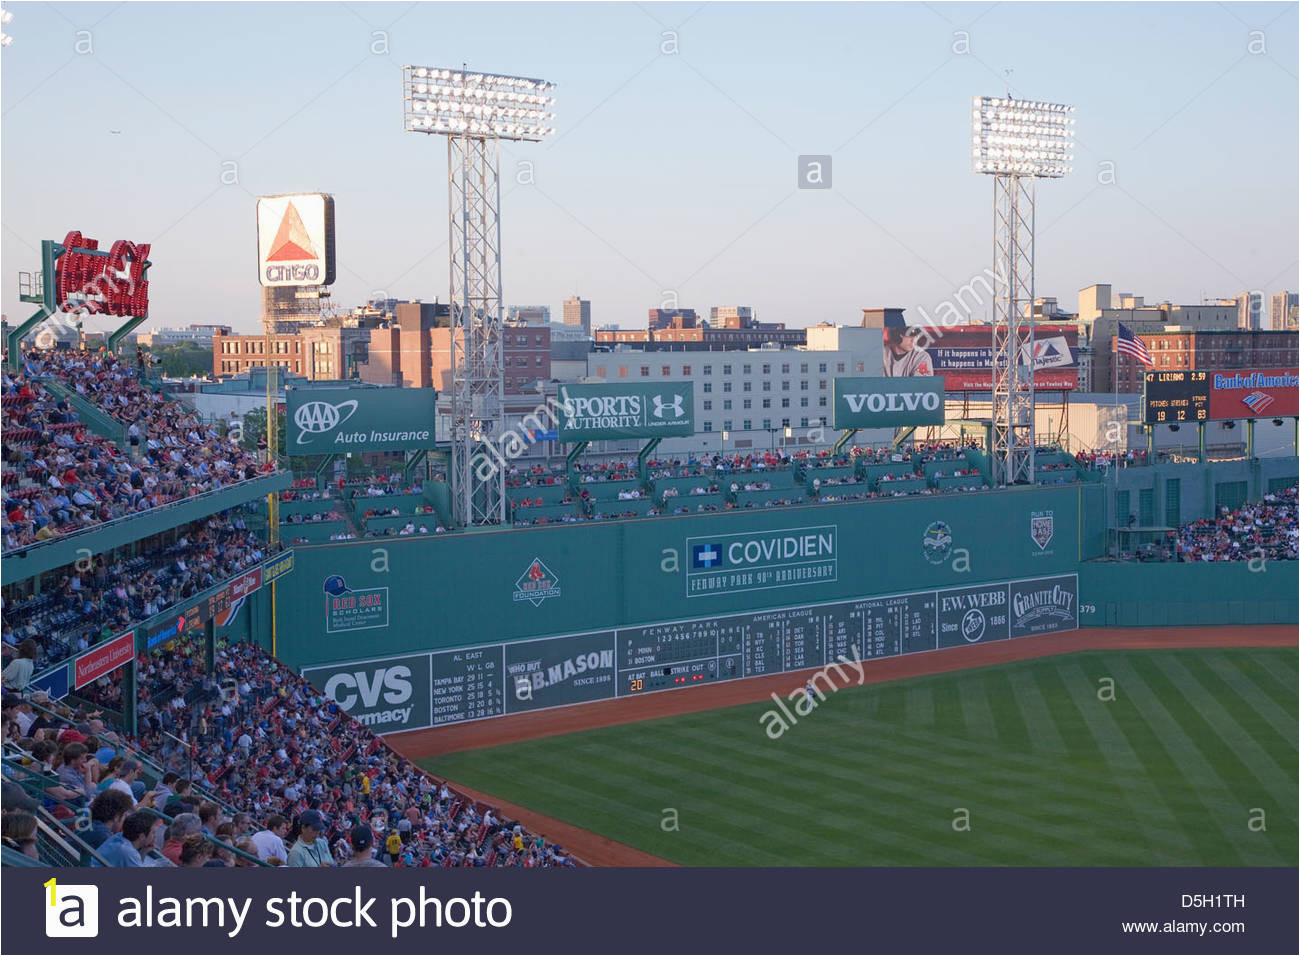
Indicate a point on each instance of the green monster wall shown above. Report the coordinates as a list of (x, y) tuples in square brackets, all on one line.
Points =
[(367, 599), (1199, 593)]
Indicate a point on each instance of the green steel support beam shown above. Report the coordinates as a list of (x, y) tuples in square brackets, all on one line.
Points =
[(902, 435), (572, 457), (644, 455), (414, 462), (130, 696), (1250, 438), (1151, 443), (115, 338), (50, 250), (1200, 442), (844, 439)]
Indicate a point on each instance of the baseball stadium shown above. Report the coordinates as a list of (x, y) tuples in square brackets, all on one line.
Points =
[(319, 609), (997, 674)]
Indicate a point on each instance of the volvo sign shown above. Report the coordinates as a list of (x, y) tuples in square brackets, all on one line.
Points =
[(888, 402)]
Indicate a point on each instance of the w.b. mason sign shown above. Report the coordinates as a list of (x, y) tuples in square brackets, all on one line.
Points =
[(888, 402)]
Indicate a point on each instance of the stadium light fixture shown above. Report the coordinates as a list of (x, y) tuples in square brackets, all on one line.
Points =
[(1016, 142), (6, 17), (488, 105), (1021, 137), (474, 112)]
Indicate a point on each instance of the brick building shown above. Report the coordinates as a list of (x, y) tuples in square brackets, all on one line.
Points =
[(1176, 349)]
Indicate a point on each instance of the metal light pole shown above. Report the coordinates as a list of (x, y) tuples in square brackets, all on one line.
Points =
[(1016, 142), (475, 111)]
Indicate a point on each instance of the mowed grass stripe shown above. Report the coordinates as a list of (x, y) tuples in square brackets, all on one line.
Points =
[(1012, 828), (919, 711), (1039, 721), (1282, 721), (915, 793), (1197, 753), (874, 773), (1166, 841), (860, 801), (975, 708), (906, 779), (1239, 727)]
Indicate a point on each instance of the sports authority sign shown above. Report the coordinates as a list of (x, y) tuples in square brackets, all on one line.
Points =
[(1253, 393), (326, 421), (888, 402), (104, 659), (295, 240), (632, 410), (757, 561)]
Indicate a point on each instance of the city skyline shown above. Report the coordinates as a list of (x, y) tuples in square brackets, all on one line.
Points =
[(675, 166)]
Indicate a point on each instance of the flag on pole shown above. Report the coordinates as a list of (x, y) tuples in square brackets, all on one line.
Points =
[(1126, 341)]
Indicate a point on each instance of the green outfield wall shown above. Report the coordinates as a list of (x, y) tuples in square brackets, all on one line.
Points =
[(1190, 593), (365, 599)]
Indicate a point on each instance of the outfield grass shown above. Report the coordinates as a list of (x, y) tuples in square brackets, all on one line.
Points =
[(1168, 773)]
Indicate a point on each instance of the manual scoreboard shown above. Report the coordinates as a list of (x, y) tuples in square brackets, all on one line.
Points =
[(494, 680)]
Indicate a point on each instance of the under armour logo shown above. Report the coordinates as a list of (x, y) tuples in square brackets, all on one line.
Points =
[(661, 406)]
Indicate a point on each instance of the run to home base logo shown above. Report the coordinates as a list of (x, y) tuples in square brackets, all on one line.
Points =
[(1042, 527), (537, 584)]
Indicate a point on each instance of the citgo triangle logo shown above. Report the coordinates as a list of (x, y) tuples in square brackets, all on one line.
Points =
[(291, 242)]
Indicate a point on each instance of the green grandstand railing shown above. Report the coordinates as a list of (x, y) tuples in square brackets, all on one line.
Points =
[(30, 560), (94, 418)]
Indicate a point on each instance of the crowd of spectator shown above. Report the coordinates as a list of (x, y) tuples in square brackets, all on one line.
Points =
[(102, 595), (252, 759), (60, 478), (1258, 531)]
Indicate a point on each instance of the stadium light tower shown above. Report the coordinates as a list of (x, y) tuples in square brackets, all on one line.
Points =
[(475, 111), (1016, 142)]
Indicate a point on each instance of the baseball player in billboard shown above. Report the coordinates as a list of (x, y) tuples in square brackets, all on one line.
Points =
[(903, 358)]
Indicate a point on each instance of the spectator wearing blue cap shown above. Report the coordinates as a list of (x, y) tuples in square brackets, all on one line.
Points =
[(362, 840)]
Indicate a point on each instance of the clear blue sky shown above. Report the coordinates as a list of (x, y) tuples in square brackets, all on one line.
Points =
[(670, 171)]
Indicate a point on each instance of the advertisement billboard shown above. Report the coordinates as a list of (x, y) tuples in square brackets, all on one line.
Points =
[(386, 695), (295, 240), (112, 282), (1253, 393), (330, 421), (626, 410), (103, 659), (962, 355), (888, 402), (1201, 395)]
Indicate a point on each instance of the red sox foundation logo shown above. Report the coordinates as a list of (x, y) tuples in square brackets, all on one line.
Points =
[(537, 584)]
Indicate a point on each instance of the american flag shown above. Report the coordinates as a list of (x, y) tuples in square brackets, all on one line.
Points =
[(1126, 341)]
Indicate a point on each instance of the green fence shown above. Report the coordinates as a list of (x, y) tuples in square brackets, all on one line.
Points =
[(369, 598), (1185, 594)]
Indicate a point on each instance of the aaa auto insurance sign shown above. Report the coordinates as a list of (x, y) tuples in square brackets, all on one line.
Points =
[(326, 421), (888, 402), (632, 410), (295, 240)]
